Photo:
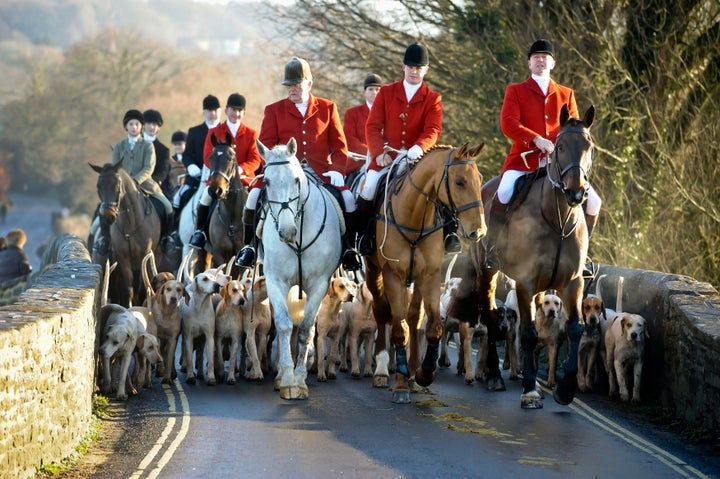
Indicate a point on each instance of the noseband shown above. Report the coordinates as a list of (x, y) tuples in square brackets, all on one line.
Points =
[(284, 205)]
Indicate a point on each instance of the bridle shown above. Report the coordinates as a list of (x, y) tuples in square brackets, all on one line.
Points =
[(553, 164)]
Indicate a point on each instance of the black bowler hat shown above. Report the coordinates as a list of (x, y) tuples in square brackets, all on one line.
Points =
[(237, 101), (211, 102), (178, 136), (133, 115), (416, 55), (541, 46), (153, 116), (373, 80)]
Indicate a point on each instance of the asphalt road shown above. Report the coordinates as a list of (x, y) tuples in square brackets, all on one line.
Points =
[(349, 429)]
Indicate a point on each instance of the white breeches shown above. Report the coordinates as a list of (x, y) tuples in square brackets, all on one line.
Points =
[(370, 186)]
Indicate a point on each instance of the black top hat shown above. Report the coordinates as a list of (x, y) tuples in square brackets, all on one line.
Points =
[(296, 70), (416, 55), (541, 46), (373, 80), (133, 115), (153, 116), (236, 100), (178, 136), (211, 102)]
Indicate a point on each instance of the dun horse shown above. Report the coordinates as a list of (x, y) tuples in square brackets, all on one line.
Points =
[(301, 245), (543, 246), (410, 250), (134, 230)]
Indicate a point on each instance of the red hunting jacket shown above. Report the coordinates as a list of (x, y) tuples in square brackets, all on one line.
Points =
[(319, 135), (401, 124), (354, 127), (527, 113), (248, 157)]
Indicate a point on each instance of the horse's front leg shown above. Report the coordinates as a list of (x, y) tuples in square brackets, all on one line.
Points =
[(564, 392), (396, 293), (530, 397), (381, 315), (285, 379), (429, 289), (306, 333), (487, 285)]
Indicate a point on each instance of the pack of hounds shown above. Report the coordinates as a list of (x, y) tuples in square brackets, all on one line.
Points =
[(225, 330)]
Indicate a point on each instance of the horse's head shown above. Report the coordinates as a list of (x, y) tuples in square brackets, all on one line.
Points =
[(223, 167), (285, 185), (569, 167), (462, 192), (110, 189)]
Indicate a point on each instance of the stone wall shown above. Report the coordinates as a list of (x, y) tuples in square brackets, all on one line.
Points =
[(682, 358), (47, 373)]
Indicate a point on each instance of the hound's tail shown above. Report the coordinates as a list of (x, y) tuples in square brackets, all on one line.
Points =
[(618, 301)]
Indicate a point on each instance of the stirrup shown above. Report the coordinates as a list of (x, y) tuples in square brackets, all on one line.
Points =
[(590, 269), (351, 260), (197, 240), (246, 257), (492, 262), (365, 245), (452, 244)]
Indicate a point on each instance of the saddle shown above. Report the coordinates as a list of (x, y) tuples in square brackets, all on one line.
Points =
[(522, 188)]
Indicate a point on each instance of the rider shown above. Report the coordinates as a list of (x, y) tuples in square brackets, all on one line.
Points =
[(248, 158), (355, 119), (315, 123), (530, 117), (138, 159), (406, 115), (193, 154)]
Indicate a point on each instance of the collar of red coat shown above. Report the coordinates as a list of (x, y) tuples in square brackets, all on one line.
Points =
[(311, 110), (399, 92), (535, 88)]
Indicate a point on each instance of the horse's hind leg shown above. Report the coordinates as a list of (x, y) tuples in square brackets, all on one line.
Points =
[(429, 288), (530, 397)]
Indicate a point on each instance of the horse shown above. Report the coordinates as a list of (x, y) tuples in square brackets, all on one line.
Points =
[(411, 251), (543, 246), (225, 229), (301, 245), (134, 230)]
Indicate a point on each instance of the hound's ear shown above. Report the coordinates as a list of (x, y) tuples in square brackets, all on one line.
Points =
[(331, 289), (624, 323), (602, 306)]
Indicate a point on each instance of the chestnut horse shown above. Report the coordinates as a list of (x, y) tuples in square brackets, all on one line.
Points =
[(543, 246), (134, 230), (410, 250), (225, 230)]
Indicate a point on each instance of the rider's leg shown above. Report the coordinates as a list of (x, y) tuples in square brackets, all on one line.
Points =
[(166, 240), (198, 238), (246, 255), (496, 217), (451, 242), (350, 258), (592, 214), (365, 230)]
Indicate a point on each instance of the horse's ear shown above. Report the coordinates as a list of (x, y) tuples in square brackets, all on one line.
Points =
[(228, 138), (262, 149), (462, 152), (117, 166), (97, 169), (476, 151), (564, 115), (589, 116), (292, 146), (213, 140)]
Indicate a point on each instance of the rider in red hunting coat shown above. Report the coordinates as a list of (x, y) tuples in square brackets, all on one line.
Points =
[(315, 124)]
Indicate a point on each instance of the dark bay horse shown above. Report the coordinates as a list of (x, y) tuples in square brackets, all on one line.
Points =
[(543, 246), (134, 230), (225, 230), (410, 250)]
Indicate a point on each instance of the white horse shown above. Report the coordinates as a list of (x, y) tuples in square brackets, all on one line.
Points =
[(301, 246)]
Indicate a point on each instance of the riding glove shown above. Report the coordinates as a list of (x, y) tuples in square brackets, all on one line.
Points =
[(336, 178), (414, 152), (193, 170)]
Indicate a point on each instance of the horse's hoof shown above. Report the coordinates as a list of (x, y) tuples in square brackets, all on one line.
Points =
[(564, 392), (531, 400), (496, 384), (380, 381), (401, 397), (293, 392), (276, 384), (190, 380), (424, 378)]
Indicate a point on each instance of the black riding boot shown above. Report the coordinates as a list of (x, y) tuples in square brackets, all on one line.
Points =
[(198, 238), (246, 255), (365, 227), (451, 241), (495, 224), (350, 258), (167, 241)]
